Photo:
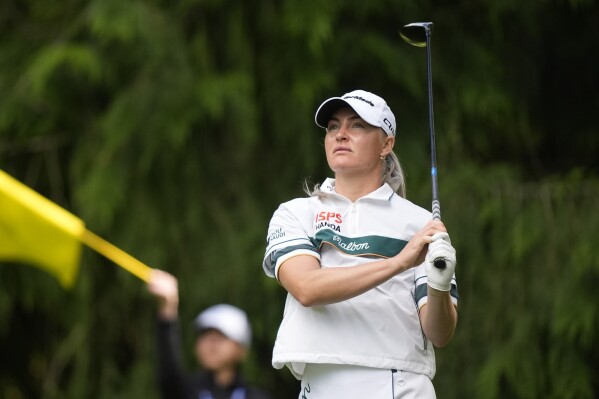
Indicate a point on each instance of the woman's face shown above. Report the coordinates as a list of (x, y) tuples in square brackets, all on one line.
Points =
[(354, 146)]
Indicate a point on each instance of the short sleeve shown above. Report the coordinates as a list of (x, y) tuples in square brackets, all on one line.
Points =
[(420, 289), (287, 237)]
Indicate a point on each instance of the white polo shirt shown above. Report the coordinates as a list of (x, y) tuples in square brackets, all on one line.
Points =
[(379, 328)]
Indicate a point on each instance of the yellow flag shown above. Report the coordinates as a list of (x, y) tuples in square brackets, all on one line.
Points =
[(36, 231)]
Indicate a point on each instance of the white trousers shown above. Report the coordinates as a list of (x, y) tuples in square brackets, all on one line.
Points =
[(331, 381)]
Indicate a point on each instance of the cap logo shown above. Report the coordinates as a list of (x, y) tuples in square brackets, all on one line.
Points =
[(389, 125), (361, 99)]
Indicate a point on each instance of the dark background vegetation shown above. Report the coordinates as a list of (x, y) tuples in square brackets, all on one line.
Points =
[(175, 128)]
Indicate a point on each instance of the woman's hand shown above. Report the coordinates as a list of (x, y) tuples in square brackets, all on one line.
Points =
[(414, 252)]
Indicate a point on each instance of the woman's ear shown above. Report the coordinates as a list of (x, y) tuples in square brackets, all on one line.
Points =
[(388, 145)]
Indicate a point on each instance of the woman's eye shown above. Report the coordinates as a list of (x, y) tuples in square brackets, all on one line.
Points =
[(358, 125), (332, 126)]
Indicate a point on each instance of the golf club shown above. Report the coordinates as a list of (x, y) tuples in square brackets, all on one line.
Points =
[(419, 34)]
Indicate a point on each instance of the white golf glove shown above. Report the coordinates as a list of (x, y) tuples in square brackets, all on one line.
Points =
[(440, 279)]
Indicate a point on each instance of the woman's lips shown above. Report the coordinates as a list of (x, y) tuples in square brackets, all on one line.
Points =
[(341, 149)]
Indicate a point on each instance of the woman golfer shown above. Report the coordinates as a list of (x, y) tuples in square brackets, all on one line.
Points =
[(365, 304)]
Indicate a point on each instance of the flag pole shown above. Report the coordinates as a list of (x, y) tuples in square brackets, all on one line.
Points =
[(116, 255)]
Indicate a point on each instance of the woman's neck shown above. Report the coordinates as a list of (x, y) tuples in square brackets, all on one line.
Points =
[(354, 187)]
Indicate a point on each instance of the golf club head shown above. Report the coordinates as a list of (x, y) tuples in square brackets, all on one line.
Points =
[(415, 33)]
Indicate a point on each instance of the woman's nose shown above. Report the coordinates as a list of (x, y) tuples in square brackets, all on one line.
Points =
[(341, 134)]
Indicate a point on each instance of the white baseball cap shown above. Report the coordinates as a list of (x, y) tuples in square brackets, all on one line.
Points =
[(370, 107), (229, 320)]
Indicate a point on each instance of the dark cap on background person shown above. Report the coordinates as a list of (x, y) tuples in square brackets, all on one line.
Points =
[(231, 321), (370, 107)]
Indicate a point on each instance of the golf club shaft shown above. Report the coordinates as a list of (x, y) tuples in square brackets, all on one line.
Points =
[(436, 206)]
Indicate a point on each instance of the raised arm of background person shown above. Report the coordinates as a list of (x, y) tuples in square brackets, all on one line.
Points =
[(312, 285), (171, 376)]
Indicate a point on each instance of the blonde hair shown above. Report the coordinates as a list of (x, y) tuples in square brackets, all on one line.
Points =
[(394, 175)]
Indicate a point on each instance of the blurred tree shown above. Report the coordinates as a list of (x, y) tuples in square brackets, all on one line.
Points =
[(174, 129)]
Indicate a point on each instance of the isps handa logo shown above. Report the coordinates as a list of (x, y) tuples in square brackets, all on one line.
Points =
[(330, 220)]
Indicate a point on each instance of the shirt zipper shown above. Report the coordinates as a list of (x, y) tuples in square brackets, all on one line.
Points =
[(354, 218)]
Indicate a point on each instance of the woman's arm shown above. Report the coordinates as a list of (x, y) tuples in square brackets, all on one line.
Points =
[(438, 317), (312, 285)]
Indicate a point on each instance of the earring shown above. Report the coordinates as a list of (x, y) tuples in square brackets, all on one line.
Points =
[(382, 157)]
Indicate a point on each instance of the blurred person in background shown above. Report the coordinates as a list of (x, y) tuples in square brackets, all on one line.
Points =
[(223, 340), (365, 303)]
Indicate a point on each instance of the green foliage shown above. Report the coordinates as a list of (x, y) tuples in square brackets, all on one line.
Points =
[(528, 314), (174, 129)]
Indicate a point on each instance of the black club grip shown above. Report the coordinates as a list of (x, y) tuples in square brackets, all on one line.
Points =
[(439, 263)]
